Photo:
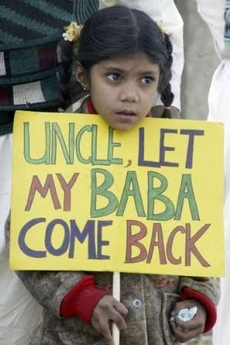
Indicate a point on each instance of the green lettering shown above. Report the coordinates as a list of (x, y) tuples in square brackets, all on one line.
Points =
[(131, 189), (99, 192), (186, 192), (156, 194)]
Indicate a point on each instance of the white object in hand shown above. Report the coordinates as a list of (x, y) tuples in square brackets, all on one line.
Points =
[(187, 314)]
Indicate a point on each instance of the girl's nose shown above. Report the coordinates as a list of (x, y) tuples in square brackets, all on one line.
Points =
[(129, 93)]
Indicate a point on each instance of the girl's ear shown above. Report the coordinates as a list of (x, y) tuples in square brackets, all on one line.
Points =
[(81, 76)]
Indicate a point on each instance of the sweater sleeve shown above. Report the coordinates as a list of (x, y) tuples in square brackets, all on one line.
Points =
[(81, 300), (49, 288), (65, 294), (206, 291)]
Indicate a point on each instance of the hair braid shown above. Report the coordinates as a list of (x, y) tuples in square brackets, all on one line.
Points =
[(166, 94), (69, 88)]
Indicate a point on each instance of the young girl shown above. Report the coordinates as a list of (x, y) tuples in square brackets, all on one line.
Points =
[(30, 83), (123, 62)]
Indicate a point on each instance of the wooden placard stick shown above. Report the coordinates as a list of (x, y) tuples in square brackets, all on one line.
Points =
[(116, 294)]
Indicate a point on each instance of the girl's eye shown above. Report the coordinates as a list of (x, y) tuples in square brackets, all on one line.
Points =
[(114, 76), (147, 80)]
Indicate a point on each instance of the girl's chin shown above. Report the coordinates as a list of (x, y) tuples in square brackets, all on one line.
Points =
[(124, 123), (122, 126)]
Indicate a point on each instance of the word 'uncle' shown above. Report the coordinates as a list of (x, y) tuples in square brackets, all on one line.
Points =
[(71, 146)]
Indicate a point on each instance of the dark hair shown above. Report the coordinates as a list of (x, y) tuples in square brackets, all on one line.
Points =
[(118, 31)]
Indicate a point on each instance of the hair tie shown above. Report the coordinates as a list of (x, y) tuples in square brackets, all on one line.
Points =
[(72, 32)]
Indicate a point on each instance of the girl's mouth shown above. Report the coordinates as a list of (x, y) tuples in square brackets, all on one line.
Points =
[(126, 117), (126, 113)]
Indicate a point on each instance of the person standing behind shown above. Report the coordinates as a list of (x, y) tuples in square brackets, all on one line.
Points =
[(216, 13)]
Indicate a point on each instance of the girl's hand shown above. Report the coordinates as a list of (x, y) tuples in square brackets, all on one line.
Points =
[(186, 330), (108, 310)]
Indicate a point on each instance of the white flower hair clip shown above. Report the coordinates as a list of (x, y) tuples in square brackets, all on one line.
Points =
[(161, 27), (72, 32)]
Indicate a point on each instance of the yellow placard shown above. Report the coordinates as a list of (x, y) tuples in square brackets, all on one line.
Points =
[(86, 197)]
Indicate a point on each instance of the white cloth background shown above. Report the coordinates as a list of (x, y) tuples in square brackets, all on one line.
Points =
[(219, 103), (212, 11), (19, 313)]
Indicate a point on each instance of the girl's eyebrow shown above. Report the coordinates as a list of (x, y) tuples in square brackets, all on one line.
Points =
[(121, 70), (113, 68), (153, 72)]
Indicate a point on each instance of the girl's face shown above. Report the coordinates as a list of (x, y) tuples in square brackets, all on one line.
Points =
[(123, 90)]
